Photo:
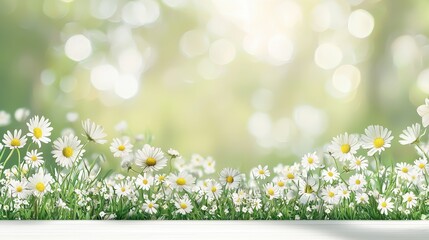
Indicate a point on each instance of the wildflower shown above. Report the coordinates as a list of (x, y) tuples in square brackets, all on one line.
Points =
[(410, 198), (272, 191), (423, 111), (123, 189), (94, 133), (183, 206), (21, 114), (4, 118), (39, 130), (159, 179), (359, 163), (121, 147), (410, 135), (330, 195), (310, 161), (362, 198), (150, 158), (182, 181), (343, 147), (403, 170), (209, 165), (344, 192), (385, 205), (420, 165), (376, 139), (150, 207), (308, 190), (357, 182), (173, 153), (144, 182), (14, 140), (67, 150), (40, 183), (280, 182), (330, 175), (213, 189), (230, 178), (261, 172), (34, 158), (19, 189)]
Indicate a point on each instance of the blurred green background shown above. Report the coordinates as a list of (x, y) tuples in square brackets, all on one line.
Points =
[(246, 81)]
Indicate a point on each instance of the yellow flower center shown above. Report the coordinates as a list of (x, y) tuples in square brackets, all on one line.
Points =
[(345, 148), (308, 189), (421, 165), (19, 189), (384, 204), (40, 187), (183, 205), (378, 142), (150, 205), (121, 148), (15, 142), (261, 172), (331, 194), (358, 162), (214, 189), (34, 158), (229, 179), (290, 176), (330, 174), (68, 152), (404, 170), (145, 181), (409, 199), (357, 181), (345, 192), (150, 161), (37, 132), (123, 189), (270, 192), (280, 184), (161, 178), (310, 160), (181, 181)]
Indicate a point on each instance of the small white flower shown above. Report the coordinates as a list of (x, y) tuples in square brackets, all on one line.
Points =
[(357, 182), (261, 172), (423, 111), (410, 135), (121, 147), (34, 158), (403, 169), (410, 198), (183, 206), (272, 191), (40, 183), (230, 178), (330, 175), (343, 147), (19, 189), (310, 161), (182, 181), (14, 140), (123, 189), (213, 189), (39, 130), (385, 205), (144, 182), (359, 163), (362, 198), (67, 150), (421, 165), (150, 207), (150, 158), (376, 139), (94, 132), (173, 153), (330, 195)]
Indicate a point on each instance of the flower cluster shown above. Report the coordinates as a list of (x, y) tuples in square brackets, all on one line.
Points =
[(350, 178)]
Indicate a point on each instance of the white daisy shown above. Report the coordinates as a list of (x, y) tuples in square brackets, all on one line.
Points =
[(230, 178), (344, 191), (385, 205), (173, 153), (359, 163), (343, 147), (160, 178), (357, 182), (67, 150), (376, 139), (261, 172), (410, 198), (362, 198), (209, 165), (40, 183), (272, 191), (182, 181), (34, 158), (290, 174), (40, 130), (307, 190), (94, 132), (144, 182), (213, 189), (123, 189), (410, 135), (421, 165), (121, 147), (14, 140), (19, 189), (150, 206), (280, 182), (183, 205), (423, 111), (403, 170), (150, 158), (330, 195), (330, 175), (310, 161)]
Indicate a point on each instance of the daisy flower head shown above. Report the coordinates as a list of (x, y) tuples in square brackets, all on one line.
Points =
[(310, 161), (121, 147), (39, 130), (272, 191), (94, 133), (385, 205), (144, 182), (376, 139), (410, 135), (261, 172), (344, 191), (280, 182), (357, 182), (123, 189), (403, 169), (150, 207), (423, 111), (330, 174), (230, 178), (67, 150), (14, 140), (421, 165), (34, 158), (343, 147), (40, 183), (150, 158), (307, 190), (359, 163), (173, 153), (362, 198), (330, 195), (183, 205), (19, 189), (213, 189), (181, 181), (410, 199)]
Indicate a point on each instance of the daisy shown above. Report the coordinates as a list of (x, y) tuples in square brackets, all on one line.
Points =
[(290, 174), (376, 139), (40, 183), (209, 165), (423, 111), (173, 153), (280, 182), (385, 205), (34, 158), (182, 181), (150, 158), (330, 175), (94, 132), (403, 170), (410, 198), (150, 207), (420, 165), (40, 130), (359, 163), (307, 190), (14, 140), (357, 182), (330, 195), (19, 189), (159, 178), (213, 189), (362, 198), (310, 161), (410, 135), (183, 205), (67, 150), (121, 148), (123, 189), (144, 182), (230, 178), (261, 172), (344, 191), (272, 191), (343, 147)]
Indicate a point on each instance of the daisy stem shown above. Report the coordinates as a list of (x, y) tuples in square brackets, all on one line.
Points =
[(19, 164), (378, 173), (171, 160), (5, 161), (2, 153)]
